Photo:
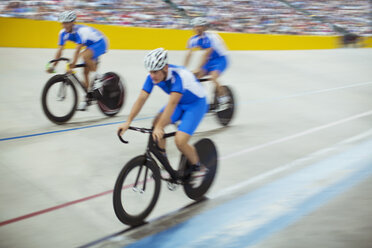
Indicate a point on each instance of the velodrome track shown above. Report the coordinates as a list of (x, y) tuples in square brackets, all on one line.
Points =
[(295, 163)]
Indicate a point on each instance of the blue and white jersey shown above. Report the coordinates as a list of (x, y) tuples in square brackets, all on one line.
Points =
[(180, 80), (209, 40), (80, 34)]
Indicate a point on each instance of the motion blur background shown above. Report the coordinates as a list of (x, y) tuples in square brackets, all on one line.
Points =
[(306, 17), (306, 108)]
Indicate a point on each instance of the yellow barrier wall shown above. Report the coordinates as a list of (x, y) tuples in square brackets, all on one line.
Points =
[(44, 34)]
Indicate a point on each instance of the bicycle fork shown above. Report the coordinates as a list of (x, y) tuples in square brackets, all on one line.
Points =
[(61, 95), (135, 186)]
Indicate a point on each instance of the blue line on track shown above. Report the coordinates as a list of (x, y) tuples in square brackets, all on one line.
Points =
[(69, 129), (241, 103)]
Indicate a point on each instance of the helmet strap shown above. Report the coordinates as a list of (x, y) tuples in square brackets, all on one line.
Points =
[(165, 74)]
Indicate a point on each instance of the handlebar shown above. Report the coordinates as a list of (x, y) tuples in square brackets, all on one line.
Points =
[(205, 79), (60, 59), (67, 60), (143, 130)]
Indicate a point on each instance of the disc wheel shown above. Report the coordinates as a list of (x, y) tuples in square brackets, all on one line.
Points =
[(225, 112), (208, 157), (113, 96)]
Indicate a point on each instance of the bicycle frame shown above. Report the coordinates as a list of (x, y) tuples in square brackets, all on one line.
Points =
[(74, 79), (205, 79), (154, 149), (71, 76)]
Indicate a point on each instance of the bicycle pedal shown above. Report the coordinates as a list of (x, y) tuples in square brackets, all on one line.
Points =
[(97, 84), (212, 107), (171, 186), (222, 107), (135, 189)]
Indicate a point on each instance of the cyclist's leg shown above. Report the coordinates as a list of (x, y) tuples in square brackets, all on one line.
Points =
[(161, 142), (90, 56), (87, 56), (192, 116), (91, 65), (200, 74), (203, 71), (175, 117), (214, 78), (215, 69), (182, 143)]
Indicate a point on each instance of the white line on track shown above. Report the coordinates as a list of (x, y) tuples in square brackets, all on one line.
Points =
[(309, 131), (311, 92), (289, 166)]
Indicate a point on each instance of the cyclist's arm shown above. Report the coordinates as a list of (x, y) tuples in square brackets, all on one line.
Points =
[(204, 59), (165, 117), (188, 57), (51, 66), (58, 54)]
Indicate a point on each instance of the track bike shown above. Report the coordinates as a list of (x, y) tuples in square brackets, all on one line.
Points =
[(223, 111), (138, 185), (60, 98)]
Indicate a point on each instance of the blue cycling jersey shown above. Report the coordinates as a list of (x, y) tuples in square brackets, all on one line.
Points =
[(80, 34), (180, 80), (209, 40)]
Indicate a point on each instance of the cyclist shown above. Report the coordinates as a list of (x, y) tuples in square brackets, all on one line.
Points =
[(96, 45), (214, 60), (187, 103)]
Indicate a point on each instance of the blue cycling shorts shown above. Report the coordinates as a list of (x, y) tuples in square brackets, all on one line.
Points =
[(98, 48), (219, 64), (190, 115)]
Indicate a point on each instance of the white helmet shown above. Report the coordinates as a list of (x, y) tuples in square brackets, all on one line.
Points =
[(67, 16), (199, 21), (156, 59)]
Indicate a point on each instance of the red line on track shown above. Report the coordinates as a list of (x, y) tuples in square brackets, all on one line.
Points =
[(58, 207), (3, 223), (6, 222)]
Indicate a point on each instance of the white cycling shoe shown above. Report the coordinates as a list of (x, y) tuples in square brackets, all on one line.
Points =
[(82, 106), (197, 176), (223, 99), (223, 103)]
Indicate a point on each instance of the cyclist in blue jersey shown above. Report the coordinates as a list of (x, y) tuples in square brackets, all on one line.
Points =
[(214, 60), (187, 103), (95, 42)]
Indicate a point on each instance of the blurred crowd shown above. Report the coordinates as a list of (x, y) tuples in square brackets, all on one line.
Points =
[(249, 16)]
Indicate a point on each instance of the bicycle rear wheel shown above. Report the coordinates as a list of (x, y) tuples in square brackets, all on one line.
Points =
[(136, 190), (59, 99), (208, 157), (225, 112), (112, 95)]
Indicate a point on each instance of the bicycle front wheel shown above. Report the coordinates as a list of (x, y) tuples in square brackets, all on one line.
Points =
[(59, 99), (136, 190)]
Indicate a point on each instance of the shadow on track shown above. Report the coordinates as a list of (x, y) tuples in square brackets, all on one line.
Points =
[(132, 234)]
